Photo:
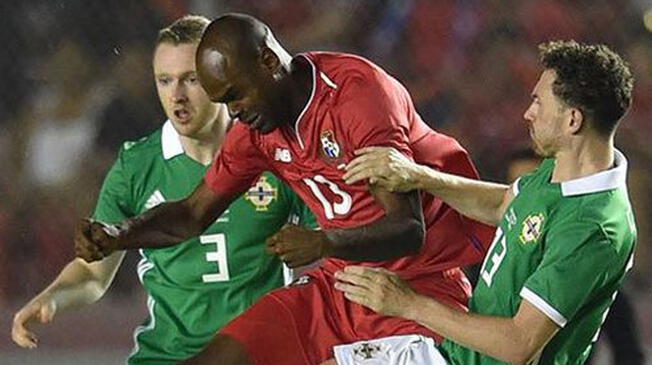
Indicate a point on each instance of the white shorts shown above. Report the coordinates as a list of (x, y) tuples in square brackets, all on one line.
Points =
[(395, 350)]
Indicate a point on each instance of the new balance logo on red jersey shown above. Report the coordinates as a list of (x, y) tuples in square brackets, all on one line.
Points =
[(283, 155)]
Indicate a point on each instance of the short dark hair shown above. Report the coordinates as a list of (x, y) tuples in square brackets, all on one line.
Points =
[(592, 78), (187, 29)]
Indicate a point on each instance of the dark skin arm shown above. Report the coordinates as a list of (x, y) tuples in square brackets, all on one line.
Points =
[(399, 233), (164, 225)]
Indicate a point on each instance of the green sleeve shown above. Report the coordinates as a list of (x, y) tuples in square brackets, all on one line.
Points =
[(299, 212), (578, 262), (306, 218), (114, 202)]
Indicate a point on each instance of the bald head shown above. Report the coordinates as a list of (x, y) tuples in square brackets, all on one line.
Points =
[(240, 63), (238, 41), (237, 36)]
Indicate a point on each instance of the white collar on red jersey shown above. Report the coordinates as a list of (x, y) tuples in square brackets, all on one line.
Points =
[(325, 79), (170, 141), (613, 178)]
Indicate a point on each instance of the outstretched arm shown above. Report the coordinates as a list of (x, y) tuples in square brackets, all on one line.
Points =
[(164, 225), (388, 168), (79, 283)]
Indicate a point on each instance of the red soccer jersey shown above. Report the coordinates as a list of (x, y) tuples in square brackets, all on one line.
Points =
[(354, 104)]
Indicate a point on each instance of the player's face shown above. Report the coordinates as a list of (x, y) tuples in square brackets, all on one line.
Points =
[(184, 101), (250, 93), (545, 117)]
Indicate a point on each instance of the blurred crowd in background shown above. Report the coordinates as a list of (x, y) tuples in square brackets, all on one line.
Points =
[(77, 81)]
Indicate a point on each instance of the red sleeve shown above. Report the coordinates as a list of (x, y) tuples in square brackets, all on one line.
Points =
[(445, 154), (377, 111), (238, 163)]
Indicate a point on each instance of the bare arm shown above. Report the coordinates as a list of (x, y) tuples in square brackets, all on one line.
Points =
[(78, 284), (388, 168), (165, 225), (480, 200), (174, 222), (399, 233), (515, 340)]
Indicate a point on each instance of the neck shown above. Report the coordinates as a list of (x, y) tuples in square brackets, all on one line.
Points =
[(588, 156), (300, 87), (203, 147)]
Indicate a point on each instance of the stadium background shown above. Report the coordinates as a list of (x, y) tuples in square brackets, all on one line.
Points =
[(76, 80)]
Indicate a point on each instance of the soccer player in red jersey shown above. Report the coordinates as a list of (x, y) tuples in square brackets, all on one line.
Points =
[(302, 118)]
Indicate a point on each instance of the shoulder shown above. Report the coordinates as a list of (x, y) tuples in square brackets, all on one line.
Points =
[(241, 139), (342, 64), (606, 216), (350, 72), (142, 150)]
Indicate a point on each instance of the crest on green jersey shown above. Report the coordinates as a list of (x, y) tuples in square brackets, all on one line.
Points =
[(261, 194), (532, 228)]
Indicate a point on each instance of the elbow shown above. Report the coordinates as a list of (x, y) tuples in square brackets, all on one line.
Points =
[(96, 290), (522, 354)]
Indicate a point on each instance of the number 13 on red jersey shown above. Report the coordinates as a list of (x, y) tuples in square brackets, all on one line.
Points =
[(341, 207)]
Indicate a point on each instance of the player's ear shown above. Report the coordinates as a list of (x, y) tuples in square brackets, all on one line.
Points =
[(576, 120), (269, 60)]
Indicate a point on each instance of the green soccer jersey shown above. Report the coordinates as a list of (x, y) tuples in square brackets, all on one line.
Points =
[(565, 249), (196, 287)]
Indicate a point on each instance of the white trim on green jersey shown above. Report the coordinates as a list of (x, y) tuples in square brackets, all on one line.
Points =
[(140, 329), (602, 181), (515, 186), (543, 306), (144, 265), (170, 141)]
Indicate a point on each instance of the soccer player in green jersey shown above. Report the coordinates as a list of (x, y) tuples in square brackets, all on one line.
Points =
[(565, 233), (196, 287)]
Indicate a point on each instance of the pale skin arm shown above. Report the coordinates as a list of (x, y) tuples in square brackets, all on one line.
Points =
[(515, 340), (386, 167), (78, 284)]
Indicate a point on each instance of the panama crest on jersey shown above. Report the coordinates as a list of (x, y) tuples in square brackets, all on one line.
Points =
[(329, 146), (532, 228), (261, 194)]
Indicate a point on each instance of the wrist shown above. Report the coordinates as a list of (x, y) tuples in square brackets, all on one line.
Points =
[(118, 233), (419, 177), (327, 246), (412, 308)]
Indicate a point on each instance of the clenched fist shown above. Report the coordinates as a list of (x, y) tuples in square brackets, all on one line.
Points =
[(95, 240), (298, 246)]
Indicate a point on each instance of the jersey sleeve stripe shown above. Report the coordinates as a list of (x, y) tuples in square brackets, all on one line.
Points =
[(515, 186), (543, 306), (144, 265)]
